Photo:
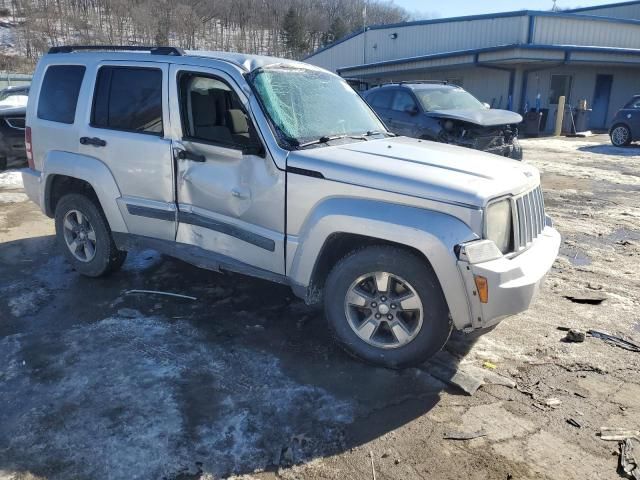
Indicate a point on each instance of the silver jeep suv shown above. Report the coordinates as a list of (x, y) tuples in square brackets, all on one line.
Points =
[(279, 170)]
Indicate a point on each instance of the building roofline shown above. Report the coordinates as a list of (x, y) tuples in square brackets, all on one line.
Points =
[(475, 51), (600, 7), (467, 18)]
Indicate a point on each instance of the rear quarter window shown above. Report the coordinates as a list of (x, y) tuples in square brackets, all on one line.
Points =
[(59, 93)]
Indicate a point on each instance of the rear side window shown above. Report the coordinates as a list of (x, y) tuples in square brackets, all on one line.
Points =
[(59, 93), (382, 99), (129, 99)]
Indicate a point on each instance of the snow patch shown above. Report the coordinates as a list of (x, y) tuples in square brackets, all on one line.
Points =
[(147, 396), (13, 197), (28, 302), (11, 179)]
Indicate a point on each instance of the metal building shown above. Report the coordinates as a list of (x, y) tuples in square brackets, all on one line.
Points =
[(512, 60)]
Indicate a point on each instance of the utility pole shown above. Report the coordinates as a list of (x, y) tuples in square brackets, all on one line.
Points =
[(364, 32)]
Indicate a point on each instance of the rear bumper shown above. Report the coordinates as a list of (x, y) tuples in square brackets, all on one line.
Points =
[(31, 180), (512, 283)]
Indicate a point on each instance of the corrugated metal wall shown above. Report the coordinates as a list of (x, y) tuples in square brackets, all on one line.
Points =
[(581, 31), (621, 11), (422, 39)]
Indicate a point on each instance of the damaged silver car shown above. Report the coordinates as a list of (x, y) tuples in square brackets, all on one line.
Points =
[(277, 169), (438, 111)]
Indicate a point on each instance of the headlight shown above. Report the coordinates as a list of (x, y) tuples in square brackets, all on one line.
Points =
[(498, 226)]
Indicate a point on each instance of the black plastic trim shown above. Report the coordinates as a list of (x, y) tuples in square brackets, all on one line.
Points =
[(305, 172), (228, 229), (150, 212)]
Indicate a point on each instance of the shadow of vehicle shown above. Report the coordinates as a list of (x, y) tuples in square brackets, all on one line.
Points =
[(630, 151), (97, 382)]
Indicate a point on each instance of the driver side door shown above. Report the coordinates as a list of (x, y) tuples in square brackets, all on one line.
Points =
[(230, 194)]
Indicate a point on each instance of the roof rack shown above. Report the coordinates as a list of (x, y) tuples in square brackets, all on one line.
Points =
[(119, 48), (403, 82)]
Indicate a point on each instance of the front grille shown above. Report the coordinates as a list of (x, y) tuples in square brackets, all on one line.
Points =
[(530, 218)]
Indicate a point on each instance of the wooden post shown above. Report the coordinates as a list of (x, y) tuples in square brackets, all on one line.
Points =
[(559, 116)]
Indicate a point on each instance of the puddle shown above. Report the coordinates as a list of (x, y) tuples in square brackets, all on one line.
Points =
[(622, 234), (576, 256)]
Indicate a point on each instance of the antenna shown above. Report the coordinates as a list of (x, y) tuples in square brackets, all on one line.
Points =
[(555, 7)]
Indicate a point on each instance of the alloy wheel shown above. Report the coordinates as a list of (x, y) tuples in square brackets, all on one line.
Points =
[(620, 136), (384, 310), (79, 236)]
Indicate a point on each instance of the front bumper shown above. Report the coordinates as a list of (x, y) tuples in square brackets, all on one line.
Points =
[(31, 181), (512, 282)]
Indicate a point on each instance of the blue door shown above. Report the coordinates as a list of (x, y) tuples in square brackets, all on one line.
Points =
[(600, 105)]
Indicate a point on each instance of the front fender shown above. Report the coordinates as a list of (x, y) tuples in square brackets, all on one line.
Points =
[(91, 170), (433, 233)]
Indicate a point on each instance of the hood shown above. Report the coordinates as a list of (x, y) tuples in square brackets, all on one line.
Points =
[(482, 117), (420, 168), (7, 111)]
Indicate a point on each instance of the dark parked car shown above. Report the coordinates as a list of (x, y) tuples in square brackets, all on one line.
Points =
[(13, 103), (446, 113), (625, 127)]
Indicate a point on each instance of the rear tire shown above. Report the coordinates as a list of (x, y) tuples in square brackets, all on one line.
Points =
[(620, 135), (384, 305), (85, 237)]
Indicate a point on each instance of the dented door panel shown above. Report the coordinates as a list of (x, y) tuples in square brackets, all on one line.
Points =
[(229, 202)]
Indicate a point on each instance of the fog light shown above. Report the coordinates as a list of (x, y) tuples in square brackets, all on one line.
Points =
[(482, 286)]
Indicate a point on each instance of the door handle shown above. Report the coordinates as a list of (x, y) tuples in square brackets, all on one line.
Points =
[(237, 193), (181, 154), (95, 141)]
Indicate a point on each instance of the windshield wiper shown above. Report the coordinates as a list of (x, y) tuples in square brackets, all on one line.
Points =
[(323, 139)]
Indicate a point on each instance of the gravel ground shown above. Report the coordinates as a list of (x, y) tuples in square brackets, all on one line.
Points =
[(244, 381)]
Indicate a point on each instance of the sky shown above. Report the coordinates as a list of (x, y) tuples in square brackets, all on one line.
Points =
[(455, 8)]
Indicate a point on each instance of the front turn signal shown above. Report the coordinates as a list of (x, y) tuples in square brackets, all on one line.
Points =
[(482, 286)]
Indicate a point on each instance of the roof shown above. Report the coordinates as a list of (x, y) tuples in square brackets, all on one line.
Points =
[(600, 7), (243, 61), (576, 13), (420, 85)]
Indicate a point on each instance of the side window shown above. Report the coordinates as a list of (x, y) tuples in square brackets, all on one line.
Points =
[(382, 99), (403, 102), (59, 93), (212, 112), (129, 99)]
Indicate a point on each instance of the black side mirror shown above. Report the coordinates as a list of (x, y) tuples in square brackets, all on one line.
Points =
[(255, 149)]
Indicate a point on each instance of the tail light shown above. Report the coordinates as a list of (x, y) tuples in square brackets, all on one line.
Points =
[(27, 146)]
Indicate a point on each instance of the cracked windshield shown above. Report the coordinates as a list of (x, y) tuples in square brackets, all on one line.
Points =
[(307, 105)]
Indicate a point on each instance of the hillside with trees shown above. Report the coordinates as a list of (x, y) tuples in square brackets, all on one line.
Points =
[(286, 28)]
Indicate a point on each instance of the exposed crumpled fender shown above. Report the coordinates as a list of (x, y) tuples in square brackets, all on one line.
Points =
[(485, 118)]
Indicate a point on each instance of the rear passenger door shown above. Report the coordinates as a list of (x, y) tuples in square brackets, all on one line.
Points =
[(230, 192), (380, 101), (125, 129), (404, 111)]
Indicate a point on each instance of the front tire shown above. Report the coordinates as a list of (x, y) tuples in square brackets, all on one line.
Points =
[(85, 238), (385, 306), (620, 136)]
